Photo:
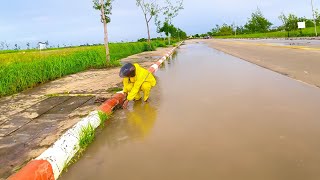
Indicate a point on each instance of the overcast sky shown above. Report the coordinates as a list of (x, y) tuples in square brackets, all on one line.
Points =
[(76, 22)]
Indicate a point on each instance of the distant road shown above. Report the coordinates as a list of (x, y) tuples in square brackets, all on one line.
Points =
[(299, 59)]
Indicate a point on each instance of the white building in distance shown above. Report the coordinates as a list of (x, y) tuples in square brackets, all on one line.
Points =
[(42, 45)]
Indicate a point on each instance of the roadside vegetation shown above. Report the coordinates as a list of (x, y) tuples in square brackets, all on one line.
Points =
[(162, 13), (87, 136), (103, 118), (307, 32), (23, 69), (258, 26)]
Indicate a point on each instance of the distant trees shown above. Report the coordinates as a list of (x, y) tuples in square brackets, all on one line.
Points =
[(290, 22), (225, 30), (257, 23), (16, 47), (2, 45), (28, 45), (171, 10), (173, 31), (105, 7), (166, 29)]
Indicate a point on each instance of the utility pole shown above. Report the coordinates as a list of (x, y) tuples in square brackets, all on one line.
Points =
[(314, 19), (235, 29)]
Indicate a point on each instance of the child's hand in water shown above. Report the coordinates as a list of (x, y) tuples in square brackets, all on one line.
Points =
[(125, 104)]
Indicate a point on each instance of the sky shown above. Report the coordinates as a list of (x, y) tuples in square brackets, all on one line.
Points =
[(75, 22)]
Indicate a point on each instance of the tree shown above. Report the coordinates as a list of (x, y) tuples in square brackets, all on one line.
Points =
[(210, 33), (182, 34), (171, 11), (240, 30), (175, 32), (215, 31), (197, 36), (257, 23), (317, 16), (149, 9), (28, 45), (166, 28), (290, 22), (225, 30), (2, 44), (105, 6)]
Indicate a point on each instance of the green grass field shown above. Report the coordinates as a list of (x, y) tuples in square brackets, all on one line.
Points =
[(20, 70), (308, 32)]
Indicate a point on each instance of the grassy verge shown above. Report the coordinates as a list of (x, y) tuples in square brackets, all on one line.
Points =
[(308, 32), (87, 136), (20, 70)]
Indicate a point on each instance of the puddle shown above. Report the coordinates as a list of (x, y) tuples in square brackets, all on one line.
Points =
[(211, 116)]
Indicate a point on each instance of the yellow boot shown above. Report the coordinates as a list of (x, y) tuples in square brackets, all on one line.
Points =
[(146, 88)]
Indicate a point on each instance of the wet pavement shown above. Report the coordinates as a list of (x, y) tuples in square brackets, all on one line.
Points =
[(211, 116), (28, 132), (311, 43), (31, 121)]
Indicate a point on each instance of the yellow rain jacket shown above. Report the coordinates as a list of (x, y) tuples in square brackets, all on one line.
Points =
[(142, 76)]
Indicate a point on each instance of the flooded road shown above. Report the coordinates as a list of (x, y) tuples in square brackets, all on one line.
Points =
[(211, 116)]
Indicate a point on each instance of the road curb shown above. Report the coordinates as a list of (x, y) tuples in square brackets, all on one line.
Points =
[(50, 164)]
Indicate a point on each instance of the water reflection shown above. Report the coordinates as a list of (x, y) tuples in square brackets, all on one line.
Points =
[(140, 120), (133, 124)]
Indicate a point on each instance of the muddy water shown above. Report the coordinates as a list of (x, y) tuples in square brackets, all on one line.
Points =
[(212, 116)]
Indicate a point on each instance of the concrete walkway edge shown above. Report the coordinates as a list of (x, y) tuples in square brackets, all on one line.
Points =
[(50, 164)]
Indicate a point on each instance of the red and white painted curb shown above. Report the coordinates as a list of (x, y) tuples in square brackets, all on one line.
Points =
[(50, 164)]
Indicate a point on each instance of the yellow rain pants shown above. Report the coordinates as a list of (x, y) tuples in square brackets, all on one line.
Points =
[(143, 81)]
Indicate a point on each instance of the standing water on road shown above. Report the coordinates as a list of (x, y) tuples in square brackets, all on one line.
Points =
[(211, 116)]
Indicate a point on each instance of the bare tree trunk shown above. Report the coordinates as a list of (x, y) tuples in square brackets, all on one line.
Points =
[(106, 41), (314, 19), (149, 38)]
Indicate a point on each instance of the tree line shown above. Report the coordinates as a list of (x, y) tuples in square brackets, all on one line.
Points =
[(258, 23), (161, 12)]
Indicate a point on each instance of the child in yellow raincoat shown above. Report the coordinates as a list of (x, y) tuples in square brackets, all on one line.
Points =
[(135, 80)]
